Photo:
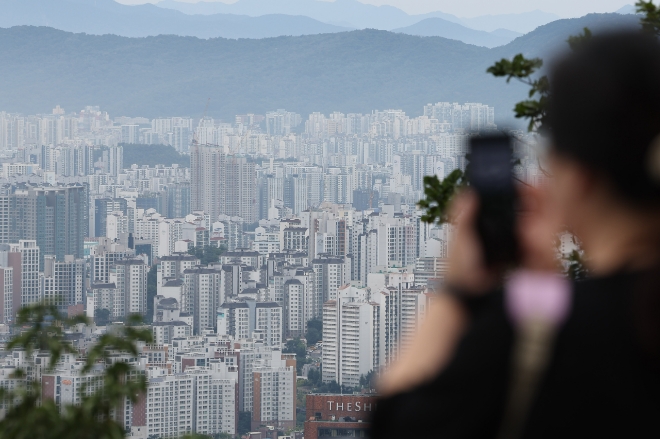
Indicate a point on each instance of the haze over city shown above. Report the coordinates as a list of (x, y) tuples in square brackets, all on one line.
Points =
[(237, 219)]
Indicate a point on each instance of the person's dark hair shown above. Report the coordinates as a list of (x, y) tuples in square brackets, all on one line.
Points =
[(604, 111)]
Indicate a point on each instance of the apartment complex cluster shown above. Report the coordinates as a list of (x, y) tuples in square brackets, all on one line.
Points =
[(313, 219), (195, 384)]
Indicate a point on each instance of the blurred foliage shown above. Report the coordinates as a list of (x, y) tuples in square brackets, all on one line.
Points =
[(28, 416), (522, 69), (576, 41), (438, 194), (650, 16)]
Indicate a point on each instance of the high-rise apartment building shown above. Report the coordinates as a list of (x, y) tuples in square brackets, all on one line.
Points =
[(23, 258), (100, 296), (63, 281), (176, 198), (274, 392), (107, 253), (114, 160), (331, 272), (208, 168), (215, 399), (7, 294), (75, 160), (56, 217), (223, 184), (268, 321), (403, 309), (167, 409), (281, 122), (130, 279), (130, 133), (351, 336), (234, 320), (201, 296), (202, 400), (241, 189), (172, 267), (240, 320), (102, 208)]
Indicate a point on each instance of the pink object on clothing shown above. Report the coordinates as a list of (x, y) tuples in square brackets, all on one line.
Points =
[(538, 295)]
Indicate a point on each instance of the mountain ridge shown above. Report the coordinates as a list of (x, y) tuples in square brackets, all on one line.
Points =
[(356, 71), (437, 27), (109, 17), (363, 15)]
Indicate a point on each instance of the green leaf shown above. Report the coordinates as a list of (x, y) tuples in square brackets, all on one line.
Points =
[(576, 41), (650, 20), (438, 195), (519, 67), (28, 416)]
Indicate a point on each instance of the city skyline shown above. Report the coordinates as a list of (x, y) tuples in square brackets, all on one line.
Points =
[(232, 218)]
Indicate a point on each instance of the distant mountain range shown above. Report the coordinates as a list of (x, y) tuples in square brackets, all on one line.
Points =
[(352, 13), (627, 9), (438, 27), (355, 71), (99, 17), (258, 19)]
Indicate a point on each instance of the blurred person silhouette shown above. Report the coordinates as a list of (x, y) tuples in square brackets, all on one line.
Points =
[(536, 355)]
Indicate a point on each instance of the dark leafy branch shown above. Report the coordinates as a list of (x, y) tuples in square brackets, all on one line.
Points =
[(438, 194), (44, 331), (30, 416), (650, 19)]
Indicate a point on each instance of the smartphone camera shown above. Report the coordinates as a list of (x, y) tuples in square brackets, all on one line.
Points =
[(490, 174)]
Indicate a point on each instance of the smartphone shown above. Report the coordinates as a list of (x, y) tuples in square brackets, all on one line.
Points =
[(490, 174)]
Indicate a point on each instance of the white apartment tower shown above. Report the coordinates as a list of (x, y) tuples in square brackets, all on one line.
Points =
[(274, 392), (351, 336), (23, 258), (63, 281), (130, 279), (268, 321), (208, 167), (331, 272), (403, 309), (202, 295)]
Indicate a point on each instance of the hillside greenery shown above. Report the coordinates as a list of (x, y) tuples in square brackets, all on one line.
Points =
[(207, 254)]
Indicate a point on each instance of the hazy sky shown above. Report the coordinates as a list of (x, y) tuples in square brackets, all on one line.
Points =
[(470, 8)]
